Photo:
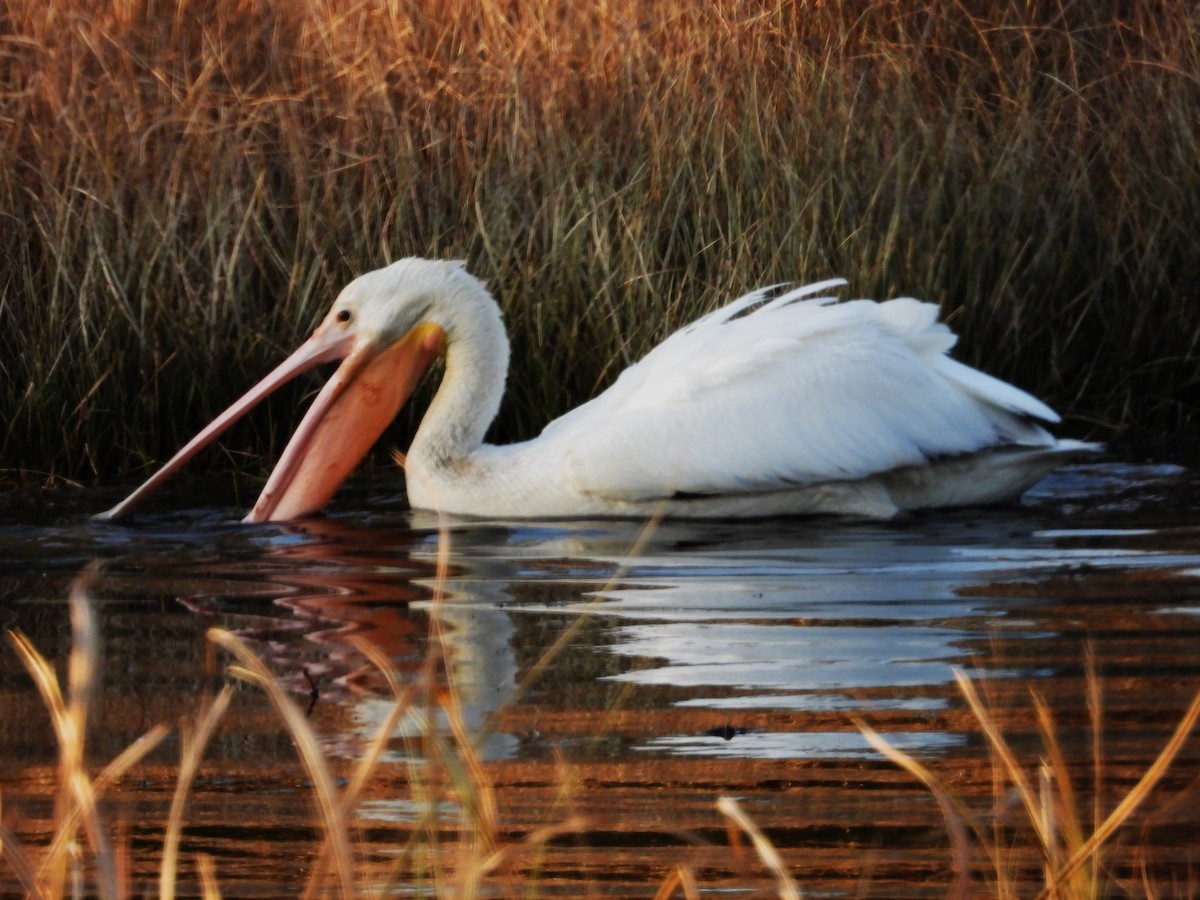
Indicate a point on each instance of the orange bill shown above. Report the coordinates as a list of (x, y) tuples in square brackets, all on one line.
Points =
[(370, 382), (351, 412)]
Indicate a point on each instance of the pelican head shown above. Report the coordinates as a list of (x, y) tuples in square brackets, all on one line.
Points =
[(384, 306), (386, 327)]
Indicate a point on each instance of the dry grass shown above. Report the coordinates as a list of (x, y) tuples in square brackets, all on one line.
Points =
[(443, 767), (186, 186), (446, 767), (1071, 848), (60, 865)]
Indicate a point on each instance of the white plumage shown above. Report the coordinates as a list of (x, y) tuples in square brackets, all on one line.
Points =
[(783, 401)]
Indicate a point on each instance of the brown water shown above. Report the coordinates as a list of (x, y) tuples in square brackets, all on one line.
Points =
[(720, 659)]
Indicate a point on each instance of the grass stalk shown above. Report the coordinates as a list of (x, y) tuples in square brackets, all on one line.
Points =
[(1071, 860), (450, 767), (185, 195), (1011, 767), (952, 811), (679, 878), (1136, 796), (76, 802), (191, 753), (14, 853), (403, 698), (788, 889), (253, 670), (208, 877)]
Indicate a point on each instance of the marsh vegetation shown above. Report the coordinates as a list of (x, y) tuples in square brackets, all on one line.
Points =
[(185, 187), (1042, 831)]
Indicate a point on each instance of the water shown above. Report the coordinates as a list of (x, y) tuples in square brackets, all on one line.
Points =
[(704, 660)]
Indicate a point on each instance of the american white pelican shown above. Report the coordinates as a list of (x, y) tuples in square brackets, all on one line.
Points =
[(782, 402)]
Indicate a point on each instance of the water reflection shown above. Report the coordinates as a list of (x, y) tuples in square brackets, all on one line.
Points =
[(728, 617), (811, 745), (692, 645)]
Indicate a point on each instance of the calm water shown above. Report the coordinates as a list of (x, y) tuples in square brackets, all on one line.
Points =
[(707, 659)]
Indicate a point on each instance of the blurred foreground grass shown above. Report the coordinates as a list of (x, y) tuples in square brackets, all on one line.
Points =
[(1053, 829)]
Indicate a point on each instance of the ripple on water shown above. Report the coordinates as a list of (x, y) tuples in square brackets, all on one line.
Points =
[(714, 658)]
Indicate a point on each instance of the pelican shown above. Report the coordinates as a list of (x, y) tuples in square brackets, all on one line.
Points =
[(783, 402)]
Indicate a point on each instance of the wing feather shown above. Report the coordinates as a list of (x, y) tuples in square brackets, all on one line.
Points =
[(770, 392)]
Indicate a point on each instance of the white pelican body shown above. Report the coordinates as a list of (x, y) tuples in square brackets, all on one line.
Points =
[(779, 403)]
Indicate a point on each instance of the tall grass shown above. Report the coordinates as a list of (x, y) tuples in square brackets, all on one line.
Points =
[(1070, 847), (473, 854), (186, 185), (444, 766)]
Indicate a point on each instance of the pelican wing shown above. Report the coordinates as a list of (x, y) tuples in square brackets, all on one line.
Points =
[(767, 393)]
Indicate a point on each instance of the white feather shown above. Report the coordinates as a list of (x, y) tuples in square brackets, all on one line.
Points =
[(791, 393), (782, 401)]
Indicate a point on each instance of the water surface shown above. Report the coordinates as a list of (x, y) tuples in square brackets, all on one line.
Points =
[(705, 659)]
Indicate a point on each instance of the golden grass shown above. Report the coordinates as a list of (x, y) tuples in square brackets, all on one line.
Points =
[(1071, 849), (448, 766), (62, 869), (729, 807), (193, 744), (187, 185), (75, 806)]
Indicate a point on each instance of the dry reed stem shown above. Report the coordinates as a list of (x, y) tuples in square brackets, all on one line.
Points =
[(535, 839), (54, 864), (788, 889), (1054, 813), (1069, 822), (403, 699), (952, 813), (191, 753), (479, 853), (476, 794), (679, 878), (1052, 851), (1059, 807), (78, 792), (1095, 706), (1134, 798), (459, 757), (14, 853), (1012, 768), (253, 670), (435, 748), (67, 826), (402, 706), (208, 876), (568, 634)]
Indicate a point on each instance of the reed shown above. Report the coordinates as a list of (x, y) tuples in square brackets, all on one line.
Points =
[(1070, 847), (444, 767), (60, 865), (186, 186)]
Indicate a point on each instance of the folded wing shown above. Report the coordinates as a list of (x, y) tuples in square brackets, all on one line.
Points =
[(767, 393)]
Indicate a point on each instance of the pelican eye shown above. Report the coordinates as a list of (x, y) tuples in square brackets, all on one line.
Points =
[(343, 315)]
